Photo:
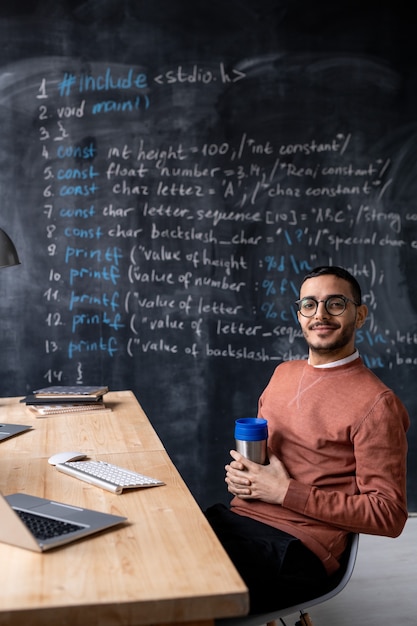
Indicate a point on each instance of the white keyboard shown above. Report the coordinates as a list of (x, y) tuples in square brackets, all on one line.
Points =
[(107, 476)]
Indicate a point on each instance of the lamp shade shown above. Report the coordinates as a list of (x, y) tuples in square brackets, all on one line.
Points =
[(8, 254)]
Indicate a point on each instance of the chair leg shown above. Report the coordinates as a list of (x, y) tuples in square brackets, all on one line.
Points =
[(305, 620)]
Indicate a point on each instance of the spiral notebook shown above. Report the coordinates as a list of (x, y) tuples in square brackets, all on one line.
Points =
[(42, 410)]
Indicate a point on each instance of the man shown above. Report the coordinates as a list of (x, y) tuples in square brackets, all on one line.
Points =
[(337, 457)]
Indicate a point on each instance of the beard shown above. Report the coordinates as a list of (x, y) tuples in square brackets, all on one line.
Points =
[(326, 345)]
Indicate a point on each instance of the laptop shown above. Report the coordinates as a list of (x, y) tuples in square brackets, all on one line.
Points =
[(10, 430), (40, 524)]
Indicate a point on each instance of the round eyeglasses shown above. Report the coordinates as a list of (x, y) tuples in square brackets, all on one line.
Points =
[(334, 305)]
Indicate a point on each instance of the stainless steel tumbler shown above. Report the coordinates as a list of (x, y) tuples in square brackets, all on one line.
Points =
[(251, 435)]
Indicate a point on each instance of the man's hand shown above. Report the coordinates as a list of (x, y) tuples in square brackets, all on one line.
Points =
[(249, 480)]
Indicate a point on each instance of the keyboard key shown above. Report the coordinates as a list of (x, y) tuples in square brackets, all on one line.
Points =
[(45, 527)]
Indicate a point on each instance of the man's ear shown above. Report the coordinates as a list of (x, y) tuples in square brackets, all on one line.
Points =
[(361, 315)]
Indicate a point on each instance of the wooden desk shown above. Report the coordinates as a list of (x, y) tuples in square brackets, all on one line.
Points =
[(164, 566)]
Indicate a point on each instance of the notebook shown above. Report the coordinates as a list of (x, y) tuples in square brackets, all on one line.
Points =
[(40, 400), (19, 512), (42, 410), (10, 430), (82, 392)]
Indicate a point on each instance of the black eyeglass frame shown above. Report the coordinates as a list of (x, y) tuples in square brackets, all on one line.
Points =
[(326, 302)]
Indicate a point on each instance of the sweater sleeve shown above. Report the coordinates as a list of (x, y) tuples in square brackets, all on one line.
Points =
[(380, 449)]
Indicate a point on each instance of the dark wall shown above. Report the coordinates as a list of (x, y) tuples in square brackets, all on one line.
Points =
[(170, 170)]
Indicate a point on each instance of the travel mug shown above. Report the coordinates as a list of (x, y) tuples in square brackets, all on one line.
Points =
[(251, 434)]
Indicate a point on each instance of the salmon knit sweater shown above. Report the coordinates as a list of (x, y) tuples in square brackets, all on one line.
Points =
[(341, 434)]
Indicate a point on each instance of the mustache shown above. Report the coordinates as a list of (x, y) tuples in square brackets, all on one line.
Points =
[(321, 324)]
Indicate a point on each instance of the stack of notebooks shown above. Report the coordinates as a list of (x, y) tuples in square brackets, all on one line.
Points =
[(66, 399)]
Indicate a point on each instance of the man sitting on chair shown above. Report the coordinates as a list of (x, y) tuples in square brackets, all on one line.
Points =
[(337, 457)]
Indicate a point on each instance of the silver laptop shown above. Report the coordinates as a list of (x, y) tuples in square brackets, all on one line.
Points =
[(40, 524), (10, 430)]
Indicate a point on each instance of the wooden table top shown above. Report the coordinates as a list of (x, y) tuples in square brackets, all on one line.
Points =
[(164, 565)]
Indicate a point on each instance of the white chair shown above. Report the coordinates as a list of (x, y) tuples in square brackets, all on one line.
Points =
[(339, 582)]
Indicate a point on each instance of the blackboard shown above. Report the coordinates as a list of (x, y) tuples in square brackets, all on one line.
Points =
[(170, 170)]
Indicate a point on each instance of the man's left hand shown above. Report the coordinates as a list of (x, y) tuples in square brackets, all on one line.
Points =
[(249, 480)]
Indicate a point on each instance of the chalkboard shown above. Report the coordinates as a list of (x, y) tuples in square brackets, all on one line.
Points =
[(170, 170)]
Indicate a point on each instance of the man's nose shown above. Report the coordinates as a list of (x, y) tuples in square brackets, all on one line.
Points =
[(321, 309)]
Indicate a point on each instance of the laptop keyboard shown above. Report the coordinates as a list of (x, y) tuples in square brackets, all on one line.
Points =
[(107, 476), (44, 527)]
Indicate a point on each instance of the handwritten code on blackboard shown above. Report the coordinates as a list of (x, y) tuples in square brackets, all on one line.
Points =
[(167, 188)]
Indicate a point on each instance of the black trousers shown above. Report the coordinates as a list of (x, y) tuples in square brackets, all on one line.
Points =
[(277, 568)]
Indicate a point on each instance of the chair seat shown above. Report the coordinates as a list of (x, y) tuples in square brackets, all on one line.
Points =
[(337, 582)]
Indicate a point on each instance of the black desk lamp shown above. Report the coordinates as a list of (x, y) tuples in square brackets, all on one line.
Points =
[(8, 254)]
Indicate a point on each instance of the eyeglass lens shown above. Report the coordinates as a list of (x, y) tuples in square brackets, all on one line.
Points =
[(335, 305)]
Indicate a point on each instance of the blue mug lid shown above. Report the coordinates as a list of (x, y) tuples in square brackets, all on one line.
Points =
[(251, 429)]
